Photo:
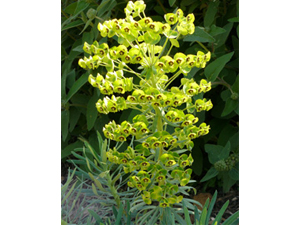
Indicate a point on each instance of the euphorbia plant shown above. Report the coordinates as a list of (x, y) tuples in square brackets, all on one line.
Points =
[(163, 133)]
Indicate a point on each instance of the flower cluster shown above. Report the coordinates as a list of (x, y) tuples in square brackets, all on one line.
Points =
[(155, 156), (228, 163), (163, 176), (118, 132)]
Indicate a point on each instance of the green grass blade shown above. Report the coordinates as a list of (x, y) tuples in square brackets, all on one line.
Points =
[(120, 214), (203, 216), (197, 215), (221, 212), (211, 206), (231, 219)]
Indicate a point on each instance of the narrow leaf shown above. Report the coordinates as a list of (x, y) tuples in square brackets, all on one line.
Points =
[(231, 219), (92, 113), (171, 2), (77, 85), (221, 212), (65, 116), (73, 24), (211, 13)]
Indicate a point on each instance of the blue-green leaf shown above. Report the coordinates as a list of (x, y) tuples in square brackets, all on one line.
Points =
[(212, 172), (217, 152)]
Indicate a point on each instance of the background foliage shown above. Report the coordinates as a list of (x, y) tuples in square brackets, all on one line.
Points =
[(217, 28)]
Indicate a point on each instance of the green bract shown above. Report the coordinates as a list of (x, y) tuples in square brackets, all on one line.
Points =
[(155, 157)]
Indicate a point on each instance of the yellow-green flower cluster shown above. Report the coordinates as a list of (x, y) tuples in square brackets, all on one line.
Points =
[(113, 104), (114, 82), (159, 182), (154, 158), (118, 132)]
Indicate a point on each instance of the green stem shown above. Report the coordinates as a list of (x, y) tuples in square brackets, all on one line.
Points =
[(224, 83), (202, 46), (163, 48), (173, 78)]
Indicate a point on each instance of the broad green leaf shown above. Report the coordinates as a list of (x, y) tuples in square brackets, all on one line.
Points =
[(70, 80), (227, 182), (234, 141), (211, 13), (71, 8), (235, 43), (64, 77), (81, 5), (217, 152), (234, 19), (105, 6), (235, 86), (87, 24), (71, 147), (73, 24), (213, 69), (234, 172), (225, 95), (230, 106), (171, 2), (74, 117), (199, 35), (65, 116), (91, 113), (212, 172), (64, 54), (221, 38), (214, 30), (174, 42), (226, 133), (77, 85), (79, 48)]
